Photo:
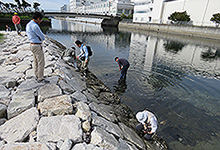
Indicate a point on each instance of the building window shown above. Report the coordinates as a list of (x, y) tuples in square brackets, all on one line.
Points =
[(151, 9), (126, 11), (142, 19), (120, 11), (149, 19), (140, 12)]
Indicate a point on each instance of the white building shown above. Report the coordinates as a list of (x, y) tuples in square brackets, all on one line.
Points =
[(109, 7), (158, 11)]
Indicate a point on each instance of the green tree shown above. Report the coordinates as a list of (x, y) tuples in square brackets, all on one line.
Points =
[(18, 4), (179, 17), (25, 5), (35, 6), (130, 16), (123, 16), (173, 46), (13, 6), (1, 6), (7, 6), (216, 19)]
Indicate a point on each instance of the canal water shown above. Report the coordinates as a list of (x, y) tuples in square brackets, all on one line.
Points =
[(176, 77)]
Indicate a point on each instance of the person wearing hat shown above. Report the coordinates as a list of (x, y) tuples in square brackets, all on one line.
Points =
[(148, 123), (16, 20)]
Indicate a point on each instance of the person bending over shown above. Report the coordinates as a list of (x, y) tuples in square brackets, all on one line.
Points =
[(83, 56), (123, 67), (148, 123)]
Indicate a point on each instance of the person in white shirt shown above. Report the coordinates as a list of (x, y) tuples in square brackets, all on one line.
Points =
[(148, 123)]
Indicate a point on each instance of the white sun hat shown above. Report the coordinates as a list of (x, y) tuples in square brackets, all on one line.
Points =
[(141, 117)]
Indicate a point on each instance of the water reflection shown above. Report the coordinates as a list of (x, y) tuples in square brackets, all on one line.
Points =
[(175, 77), (210, 54), (121, 87), (173, 46)]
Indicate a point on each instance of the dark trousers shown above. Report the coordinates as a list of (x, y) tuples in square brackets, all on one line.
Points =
[(124, 72), (140, 127)]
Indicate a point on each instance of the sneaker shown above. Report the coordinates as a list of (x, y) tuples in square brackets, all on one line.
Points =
[(43, 81)]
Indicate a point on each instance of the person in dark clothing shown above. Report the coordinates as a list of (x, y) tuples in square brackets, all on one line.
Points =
[(123, 67)]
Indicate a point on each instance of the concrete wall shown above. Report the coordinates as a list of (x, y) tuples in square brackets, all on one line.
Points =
[(206, 32), (200, 11)]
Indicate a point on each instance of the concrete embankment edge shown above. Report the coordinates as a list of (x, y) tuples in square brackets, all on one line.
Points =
[(193, 31)]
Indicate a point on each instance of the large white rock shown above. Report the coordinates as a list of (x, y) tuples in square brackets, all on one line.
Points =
[(126, 145), (29, 74), (77, 84), (22, 68), (3, 109), (47, 71), (67, 144), (24, 50), (90, 97), (103, 139), (66, 87), (4, 92), (83, 111), (132, 136), (21, 101), (78, 96), (104, 111), (58, 128), (84, 146), (47, 91), (59, 105), (29, 146), (29, 84), (86, 125), (106, 125), (19, 127), (12, 60)]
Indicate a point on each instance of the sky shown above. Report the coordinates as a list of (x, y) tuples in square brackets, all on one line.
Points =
[(45, 4)]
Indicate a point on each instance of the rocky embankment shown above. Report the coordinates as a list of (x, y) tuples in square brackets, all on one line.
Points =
[(69, 113)]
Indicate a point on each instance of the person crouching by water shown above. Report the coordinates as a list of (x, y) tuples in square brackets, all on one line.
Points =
[(69, 56), (148, 123), (83, 56), (123, 67)]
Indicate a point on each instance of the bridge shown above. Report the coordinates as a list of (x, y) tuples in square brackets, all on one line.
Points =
[(108, 20)]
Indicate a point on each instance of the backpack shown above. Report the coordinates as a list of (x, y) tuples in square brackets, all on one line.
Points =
[(89, 50)]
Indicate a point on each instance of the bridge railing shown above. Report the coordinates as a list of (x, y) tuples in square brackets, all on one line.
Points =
[(66, 14)]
